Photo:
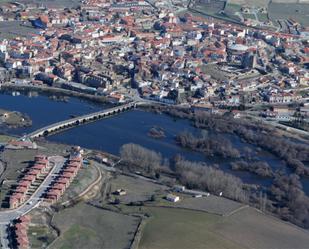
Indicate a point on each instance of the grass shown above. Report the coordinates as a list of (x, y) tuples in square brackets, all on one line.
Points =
[(84, 226), (39, 236), (177, 228), (233, 7), (296, 11), (248, 228), (137, 189), (84, 178), (249, 16), (5, 138), (262, 17), (255, 230), (75, 234)]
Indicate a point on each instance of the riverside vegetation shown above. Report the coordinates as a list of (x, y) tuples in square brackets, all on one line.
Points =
[(284, 197)]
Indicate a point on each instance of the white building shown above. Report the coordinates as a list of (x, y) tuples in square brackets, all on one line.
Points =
[(172, 198)]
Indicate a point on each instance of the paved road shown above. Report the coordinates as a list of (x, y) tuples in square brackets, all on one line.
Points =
[(4, 237), (6, 217)]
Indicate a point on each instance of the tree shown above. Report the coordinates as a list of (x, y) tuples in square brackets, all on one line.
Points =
[(148, 160), (153, 198)]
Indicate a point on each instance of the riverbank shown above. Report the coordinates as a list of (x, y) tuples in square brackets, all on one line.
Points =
[(53, 91)]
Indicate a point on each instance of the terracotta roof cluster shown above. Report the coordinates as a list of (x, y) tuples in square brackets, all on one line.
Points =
[(21, 228), (64, 179), (40, 168)]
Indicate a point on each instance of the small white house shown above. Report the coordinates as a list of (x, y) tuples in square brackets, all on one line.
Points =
[(172, 198)]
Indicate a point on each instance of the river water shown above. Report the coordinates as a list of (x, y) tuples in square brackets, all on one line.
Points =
[(130, 127)]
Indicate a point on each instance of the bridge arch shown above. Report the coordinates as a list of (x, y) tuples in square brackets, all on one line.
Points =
[(66, 124)]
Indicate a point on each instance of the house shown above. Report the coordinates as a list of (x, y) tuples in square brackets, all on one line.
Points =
[(64, 181), (53, 195), (68, 175), (172, 198), (16, 199), (120, 192), (59, 186), (29, 178)]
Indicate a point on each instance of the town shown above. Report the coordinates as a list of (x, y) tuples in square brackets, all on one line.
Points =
[(149, 124), (110, 49)]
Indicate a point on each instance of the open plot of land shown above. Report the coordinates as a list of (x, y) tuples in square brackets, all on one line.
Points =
[(284, 11), (211, 6), (84, 226), (214, 71), (50, 3), (40, 233), (5, 138), (256, 3), (227, 15), (211, 204), (84, 178), (176, 228), (137, 189), (247, 228), (256, 230), (15, 164), (12, 29)]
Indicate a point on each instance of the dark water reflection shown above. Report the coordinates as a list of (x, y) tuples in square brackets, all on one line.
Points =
[(129, 127)]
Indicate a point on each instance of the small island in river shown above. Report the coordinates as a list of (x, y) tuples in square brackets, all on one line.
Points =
[(14, 119), (156, 132)]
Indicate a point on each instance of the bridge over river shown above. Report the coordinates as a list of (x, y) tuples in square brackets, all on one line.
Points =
[(70, 123)]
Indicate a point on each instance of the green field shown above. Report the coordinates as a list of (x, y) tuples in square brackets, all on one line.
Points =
[(85, 177), (5, 138), (248, 228), (84, 226), (297, 11), (249, 16), (177, 228)]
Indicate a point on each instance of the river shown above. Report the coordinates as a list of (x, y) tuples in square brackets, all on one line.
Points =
[(130, 127)]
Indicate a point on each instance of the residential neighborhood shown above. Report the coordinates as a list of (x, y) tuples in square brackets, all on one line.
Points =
[(102, 48), (154, 124)]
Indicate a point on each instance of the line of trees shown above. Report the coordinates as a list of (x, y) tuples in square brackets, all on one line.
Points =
[(258, 167), (148, 160), (200, 176), (292, 202), (210, 146), (285, 196), (259, 134)]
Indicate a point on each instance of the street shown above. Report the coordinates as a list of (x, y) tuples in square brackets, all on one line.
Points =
[(6, 217)]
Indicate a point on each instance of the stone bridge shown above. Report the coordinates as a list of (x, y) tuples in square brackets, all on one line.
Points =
[(70, 123)]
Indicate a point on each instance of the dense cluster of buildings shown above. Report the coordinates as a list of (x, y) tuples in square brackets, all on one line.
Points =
[(20, 230), (63, 180), (104, 45), (27, 184)]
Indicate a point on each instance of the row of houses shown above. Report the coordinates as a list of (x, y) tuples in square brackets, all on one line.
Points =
[(38, 171), (64, 179), (20, 238)]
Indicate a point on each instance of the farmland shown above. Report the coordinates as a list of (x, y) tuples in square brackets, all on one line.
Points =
[(296, 11), (192, 229), (50, 3), (257, 230), (11, 29), (246, 228), (90, 227), (137, 189)]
